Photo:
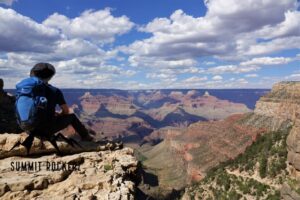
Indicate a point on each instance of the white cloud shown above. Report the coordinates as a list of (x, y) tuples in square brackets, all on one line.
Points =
[(222, 32), (267, 61), (289, 27), (209, 63), (217, 78), (275, 45), (194, 79), (99, 26), (293, 77), (251, 75), (137, 61), (180, 44), (20, 33), (79, 60), (159, 76), (248, 15), (234, 69), (86, 71), (165, 78), (242, 81)]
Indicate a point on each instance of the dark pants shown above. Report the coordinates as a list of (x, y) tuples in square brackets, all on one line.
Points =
[(63, 121)]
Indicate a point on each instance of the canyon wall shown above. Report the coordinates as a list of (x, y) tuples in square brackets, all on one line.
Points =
[(282, 107)]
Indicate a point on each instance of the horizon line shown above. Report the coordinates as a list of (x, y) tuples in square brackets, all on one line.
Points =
[(159, 89)]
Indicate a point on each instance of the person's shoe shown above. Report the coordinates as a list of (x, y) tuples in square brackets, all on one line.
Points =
[(92, 132)]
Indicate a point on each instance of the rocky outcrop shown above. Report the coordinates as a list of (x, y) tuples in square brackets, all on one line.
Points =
[(288, 191), (277, 110), (265, 122), (93, 172), (283, 102), (39, 147), (293, 142)]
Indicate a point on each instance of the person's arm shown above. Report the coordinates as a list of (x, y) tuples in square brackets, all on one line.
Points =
[(64, 109), (62, 103)]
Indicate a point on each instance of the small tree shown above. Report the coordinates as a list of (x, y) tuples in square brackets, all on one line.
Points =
[(263, 166)]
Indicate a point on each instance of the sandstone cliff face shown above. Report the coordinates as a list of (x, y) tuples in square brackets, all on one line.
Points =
[(293, 142), (279, 110), (93, 172), (283, 103)]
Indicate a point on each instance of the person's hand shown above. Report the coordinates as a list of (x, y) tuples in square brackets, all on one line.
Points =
[(64, 109)]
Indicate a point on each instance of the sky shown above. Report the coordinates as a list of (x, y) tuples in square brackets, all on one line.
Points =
[(152, 44)]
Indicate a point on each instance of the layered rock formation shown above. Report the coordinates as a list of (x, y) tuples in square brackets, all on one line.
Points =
[(293, 142), (191, 152), (282, 104), (93, 172), (206, 106), (130, 130), (114, 104), (135, 115), (276, 111)]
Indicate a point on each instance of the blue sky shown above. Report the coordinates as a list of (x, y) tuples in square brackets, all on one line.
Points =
[(155, 44)]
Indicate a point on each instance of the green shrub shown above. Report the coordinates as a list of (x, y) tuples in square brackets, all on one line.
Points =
[(107, 167)]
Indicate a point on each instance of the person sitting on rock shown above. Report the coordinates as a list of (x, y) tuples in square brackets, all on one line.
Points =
[(58, 121)]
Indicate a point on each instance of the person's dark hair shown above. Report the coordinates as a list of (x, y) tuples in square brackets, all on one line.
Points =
[(43, 70), (1, 84)]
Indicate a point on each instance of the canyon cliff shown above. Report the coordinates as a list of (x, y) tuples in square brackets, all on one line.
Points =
[(269, 168), (191, 134), (133, 116)]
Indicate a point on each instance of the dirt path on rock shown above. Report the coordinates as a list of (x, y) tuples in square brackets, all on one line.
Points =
[(256, 177)]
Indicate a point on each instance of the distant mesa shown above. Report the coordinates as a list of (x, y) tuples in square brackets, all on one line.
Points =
[(87, 95), (191, 93), (206, 94)]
